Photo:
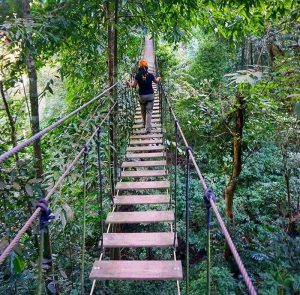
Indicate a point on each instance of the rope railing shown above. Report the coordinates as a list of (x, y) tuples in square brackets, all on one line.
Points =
[(209, 198), (125, 100), (46, 130), (43, 132), (37, 211)]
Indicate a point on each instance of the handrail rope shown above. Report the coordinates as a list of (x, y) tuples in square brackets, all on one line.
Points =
[(40, 134), (35, 214), (227, 236)]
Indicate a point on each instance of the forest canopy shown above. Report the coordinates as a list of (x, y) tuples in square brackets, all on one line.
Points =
[(232, 72)]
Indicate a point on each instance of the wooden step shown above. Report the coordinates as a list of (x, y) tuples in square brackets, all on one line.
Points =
[(144, 173), (156, 105), (145, 148), (147, 136), (145, 155), (137, 270), (141, 199), (139, 217), (155, 110), (146, 141), (144, 164), (140, 185), (154, 115), (143, 131), (136, 240), (138, 121), (138, 126)]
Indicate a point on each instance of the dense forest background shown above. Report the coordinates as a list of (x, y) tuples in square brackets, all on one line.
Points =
[(232, 71)]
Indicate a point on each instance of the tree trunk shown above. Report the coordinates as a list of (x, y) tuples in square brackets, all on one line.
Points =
[(292, 221), (243, 56), (259, 59), (115, 79), (34, 98), (11, 121), (35, 128), (110, 63), (236, 160), (273, 49), (112, 15)]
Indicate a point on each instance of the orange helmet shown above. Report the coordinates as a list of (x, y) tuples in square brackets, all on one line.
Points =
[(143, 63)]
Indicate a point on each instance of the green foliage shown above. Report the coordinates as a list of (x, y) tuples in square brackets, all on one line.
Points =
[(222, 282), (17, 263), (213, 58), (70, 38), (167, 62)]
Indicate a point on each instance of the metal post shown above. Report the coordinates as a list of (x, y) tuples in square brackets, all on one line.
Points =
[(111, 180), (208, 196), (40, 268), (160, 104), (100, 185), (175, 180), (187, 216), (86, 151), (45, 217), (126, 109), (115, 143), (208, 250)]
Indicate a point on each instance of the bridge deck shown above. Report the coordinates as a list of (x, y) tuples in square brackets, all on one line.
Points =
[(143, 181)]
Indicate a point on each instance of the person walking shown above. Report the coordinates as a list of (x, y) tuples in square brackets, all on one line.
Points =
[(144, 80)]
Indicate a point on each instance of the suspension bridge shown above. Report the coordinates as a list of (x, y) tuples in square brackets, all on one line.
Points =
[(144, 180)]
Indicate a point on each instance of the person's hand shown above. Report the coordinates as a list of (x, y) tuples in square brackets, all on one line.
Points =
[(158, 79)]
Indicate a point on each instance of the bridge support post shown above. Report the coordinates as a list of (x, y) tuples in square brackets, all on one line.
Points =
[(208, 196), (187, 218)]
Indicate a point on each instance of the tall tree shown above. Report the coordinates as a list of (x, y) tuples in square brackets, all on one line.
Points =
[(33, 92), (35, 128)]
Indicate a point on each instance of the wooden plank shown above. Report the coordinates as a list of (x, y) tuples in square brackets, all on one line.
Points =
[(155, 108), (147, 136), (146, 141), (141, 185), (139, 217), (138, 121), (154, 115), (138, 126), (137, 270), (144, 164), (155, 105), (145, 148), (141, 199), (143, 131), (135, 240), (145, 155), (144, 173)]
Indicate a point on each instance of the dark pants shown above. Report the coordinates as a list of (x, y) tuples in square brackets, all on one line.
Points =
[(146, 102)]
